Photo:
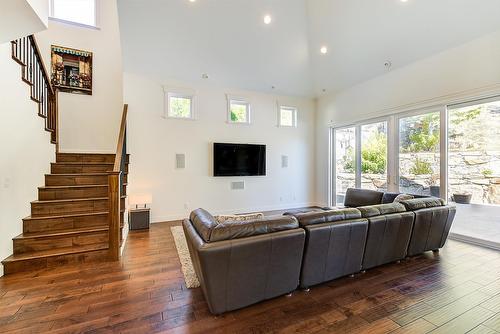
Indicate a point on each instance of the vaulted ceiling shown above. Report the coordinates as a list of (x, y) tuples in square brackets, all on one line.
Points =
[(229, 41)]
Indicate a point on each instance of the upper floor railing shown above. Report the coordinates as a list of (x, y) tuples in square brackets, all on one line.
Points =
[(25, 51)]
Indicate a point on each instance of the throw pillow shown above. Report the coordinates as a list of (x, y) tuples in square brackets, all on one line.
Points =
[(403, 197), (252, 216)]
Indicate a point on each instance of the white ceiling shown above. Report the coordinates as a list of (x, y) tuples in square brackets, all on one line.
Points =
[(227, 39)]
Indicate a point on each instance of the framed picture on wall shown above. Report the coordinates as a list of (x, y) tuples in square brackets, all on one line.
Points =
[(71, 70)]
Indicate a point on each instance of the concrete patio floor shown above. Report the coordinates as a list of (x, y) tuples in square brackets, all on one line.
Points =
[(478, 224)]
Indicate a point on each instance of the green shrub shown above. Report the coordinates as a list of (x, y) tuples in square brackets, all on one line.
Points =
[(421, 167), (487, 172), (422, 135), (374, 154)]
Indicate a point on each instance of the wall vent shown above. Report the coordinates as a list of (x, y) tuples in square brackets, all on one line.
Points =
[(238, 185), (180, 161), (284, 161)]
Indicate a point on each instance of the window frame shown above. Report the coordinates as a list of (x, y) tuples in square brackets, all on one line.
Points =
[(295, 111), (78, 24), (241, 101), (169, 93)]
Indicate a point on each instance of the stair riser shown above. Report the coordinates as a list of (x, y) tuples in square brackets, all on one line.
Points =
[(87, 158), (48, 209), (76, 169), (54, 224), (55, 261), (58, 180), (75, 157), (74, 193), (40, 244)]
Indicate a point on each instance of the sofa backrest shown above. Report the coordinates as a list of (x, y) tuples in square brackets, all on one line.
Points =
[(330, 216), (203, 222), (381, 209), (242, 229), (362, 197), (210, 230), (422, 203)]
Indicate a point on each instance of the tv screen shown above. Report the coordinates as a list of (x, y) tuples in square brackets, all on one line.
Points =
[(239, 159)]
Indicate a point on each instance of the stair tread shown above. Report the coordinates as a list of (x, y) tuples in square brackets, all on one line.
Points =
[(78, 163), (70, 200), (55, 252), (81, 174), (74, 186), (69, 215), (74, 153), (62, 232)]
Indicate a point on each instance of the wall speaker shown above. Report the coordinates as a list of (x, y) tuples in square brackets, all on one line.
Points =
[(180, 161), (284, 161), (239, 185)]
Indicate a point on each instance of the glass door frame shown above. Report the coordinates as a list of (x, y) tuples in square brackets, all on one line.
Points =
[(332, 157), (443, 145), (393, 174)]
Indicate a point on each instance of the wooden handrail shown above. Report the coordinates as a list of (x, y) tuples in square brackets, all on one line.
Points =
[(40, 59), (115, 186), (121, 140), (25, 51)]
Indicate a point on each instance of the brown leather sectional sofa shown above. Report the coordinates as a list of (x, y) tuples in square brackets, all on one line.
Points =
[(242, 263)]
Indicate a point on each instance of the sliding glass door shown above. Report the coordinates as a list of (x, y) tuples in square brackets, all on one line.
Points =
[(447, 151), (374, 156), (360, 158), (419, 154), (345, 162)]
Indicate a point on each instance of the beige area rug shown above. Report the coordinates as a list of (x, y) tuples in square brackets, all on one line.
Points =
[(183, 251)]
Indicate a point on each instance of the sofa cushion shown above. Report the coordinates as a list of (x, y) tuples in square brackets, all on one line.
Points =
[(389, 197), (242, 229), (313, 218), (381, 209), (422, 203), (362, 197), (251, 216), (203, 222), (403, 197)]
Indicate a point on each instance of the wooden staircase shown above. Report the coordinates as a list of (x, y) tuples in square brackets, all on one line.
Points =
[(78, 216), (70, 221)]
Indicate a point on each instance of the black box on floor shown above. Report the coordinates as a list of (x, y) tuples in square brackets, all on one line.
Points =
[(138, 219)]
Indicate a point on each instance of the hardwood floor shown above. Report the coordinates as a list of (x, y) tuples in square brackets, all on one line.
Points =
[(455, 291)]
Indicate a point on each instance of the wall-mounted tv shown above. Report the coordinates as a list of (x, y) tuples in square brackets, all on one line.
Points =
[(239, 159)]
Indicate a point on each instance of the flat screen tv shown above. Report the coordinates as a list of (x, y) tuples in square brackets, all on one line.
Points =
[(239, 159)]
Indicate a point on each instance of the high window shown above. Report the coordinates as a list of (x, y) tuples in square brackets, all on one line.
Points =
[(287, 116), (180, 105), (238, 110), (83, 12)]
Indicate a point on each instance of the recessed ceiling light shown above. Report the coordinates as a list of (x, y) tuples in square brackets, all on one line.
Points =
[(267, 19), (192, 0), (404, 0), (324, 50)]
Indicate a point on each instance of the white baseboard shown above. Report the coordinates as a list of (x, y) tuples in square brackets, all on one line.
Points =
[(181, 216), (125, 235), (474, 241)]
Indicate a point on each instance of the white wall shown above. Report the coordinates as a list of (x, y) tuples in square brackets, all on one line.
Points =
[(465, 72), (90, 123), (19, 18), (26, 151), (41, 8), (153, 142)]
